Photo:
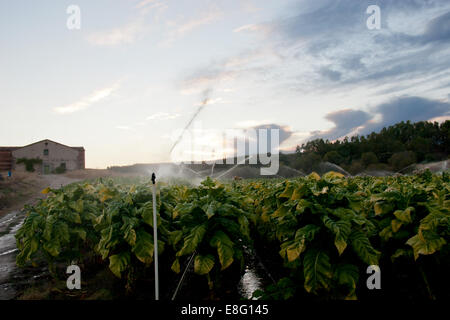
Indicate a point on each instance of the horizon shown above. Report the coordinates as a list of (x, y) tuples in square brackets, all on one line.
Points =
[(132, 75)]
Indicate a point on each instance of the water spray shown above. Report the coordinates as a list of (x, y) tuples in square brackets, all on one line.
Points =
[(155, 237), (200, 108)]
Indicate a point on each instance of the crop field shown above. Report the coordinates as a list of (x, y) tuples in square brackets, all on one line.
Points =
[(316, 236)]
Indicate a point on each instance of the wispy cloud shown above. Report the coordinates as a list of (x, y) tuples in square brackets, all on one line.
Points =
[(244, 64), (131, 31), (146, 6), (263, 28), (163, 116), (180, 29), (144, 3), (89, 100), (122, 35)]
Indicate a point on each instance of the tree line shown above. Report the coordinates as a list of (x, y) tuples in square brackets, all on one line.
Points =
[(393, 148)]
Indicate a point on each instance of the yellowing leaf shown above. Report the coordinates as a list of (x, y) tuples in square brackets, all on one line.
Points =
[(378, 209), (404, 215), (176, 266), (119, 262), (396, 224), (429, 246), (314, 176), (203, 264)]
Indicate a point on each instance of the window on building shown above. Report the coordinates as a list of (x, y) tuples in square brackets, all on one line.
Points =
[(45, 152), (63, 165)]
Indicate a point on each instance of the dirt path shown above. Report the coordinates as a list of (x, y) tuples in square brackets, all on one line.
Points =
[(10, 275)]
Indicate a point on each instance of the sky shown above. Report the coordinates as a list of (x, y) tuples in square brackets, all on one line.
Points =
[(134, 74)]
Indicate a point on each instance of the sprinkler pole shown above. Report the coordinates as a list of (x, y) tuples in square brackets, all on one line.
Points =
[(155, 238)]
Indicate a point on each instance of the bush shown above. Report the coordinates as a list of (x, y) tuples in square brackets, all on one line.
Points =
[(333, 157), (369, 158), (356, 167), (401, 160), (29, 163), (308, 162)]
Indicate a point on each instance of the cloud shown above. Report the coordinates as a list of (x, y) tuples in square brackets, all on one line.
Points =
[(330, 74), (131, 31), (144, 3), (351, 122), (329, 46), (345, 121), (163, 116), (284, 131), (400, 109), (265, 29), (89, 100), (247, 63), (182, 28), (123, 35)]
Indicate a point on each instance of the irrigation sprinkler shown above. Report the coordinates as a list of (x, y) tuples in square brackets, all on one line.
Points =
[(155, 238)]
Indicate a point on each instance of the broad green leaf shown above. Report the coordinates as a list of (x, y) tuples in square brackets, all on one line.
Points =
[(183, 208), (361, 245), (302, 205), (386, 233), (287, 193), (382, 208), (203, 264), (175, 237), (144, 249), (78, 206), (341, 229), (119, 262), (53, 247), (224, 248), (404, 215), (299, 192), (348, 275), (72, 216), (225, 253), (192, 240), (425, 247), (317, 270), (292, 249), (60, 232), (400, 253), (378, 208), (281, 212), (80, 232), (332, 176)]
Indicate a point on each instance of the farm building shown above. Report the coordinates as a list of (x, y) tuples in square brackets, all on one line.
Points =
[(52, 155)]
